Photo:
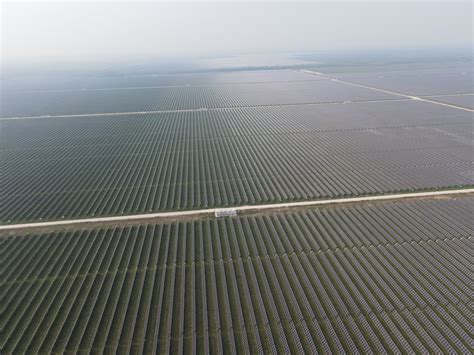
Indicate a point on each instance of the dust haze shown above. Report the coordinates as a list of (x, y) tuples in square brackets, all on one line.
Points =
[(57, 33)]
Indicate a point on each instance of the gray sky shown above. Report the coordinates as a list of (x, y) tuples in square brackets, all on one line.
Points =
[(37, 33)]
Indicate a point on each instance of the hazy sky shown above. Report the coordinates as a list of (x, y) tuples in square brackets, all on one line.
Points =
[(55, 32)]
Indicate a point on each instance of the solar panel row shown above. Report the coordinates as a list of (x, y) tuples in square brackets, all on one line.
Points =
[(390, 277)]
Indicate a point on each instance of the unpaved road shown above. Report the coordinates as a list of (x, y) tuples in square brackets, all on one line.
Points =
[(192, 214), (80, 115), (386, 91)]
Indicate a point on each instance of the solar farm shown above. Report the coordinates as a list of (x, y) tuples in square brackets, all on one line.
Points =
[(109, 241)]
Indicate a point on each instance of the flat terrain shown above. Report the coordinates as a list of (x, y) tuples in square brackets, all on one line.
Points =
[(454, 79), (163, 217), (466, 101), (370, 276), (391, 277), (79, 83), (41, 103), (95, 166)]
